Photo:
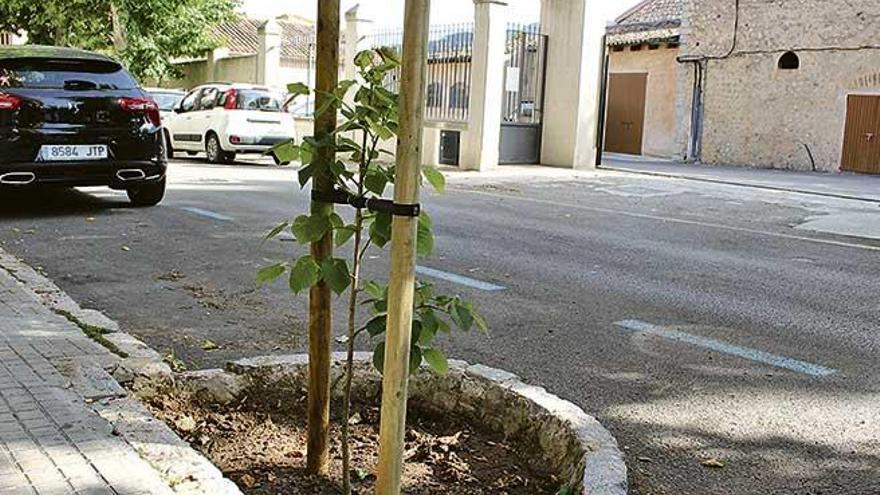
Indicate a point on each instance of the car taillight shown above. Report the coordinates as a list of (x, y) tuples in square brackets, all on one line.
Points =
[(145, 105), (9, 102), (231, 100)]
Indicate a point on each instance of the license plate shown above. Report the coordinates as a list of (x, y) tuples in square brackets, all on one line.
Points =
[(72, 152)]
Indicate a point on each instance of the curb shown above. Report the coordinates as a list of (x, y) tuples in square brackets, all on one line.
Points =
[(671, 175), (597, 464), (186, 471)]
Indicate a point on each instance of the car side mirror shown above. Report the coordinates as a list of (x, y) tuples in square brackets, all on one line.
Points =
[(178, 108)]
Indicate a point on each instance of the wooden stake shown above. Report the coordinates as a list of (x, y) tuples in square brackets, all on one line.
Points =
[(403, 253), (320, 329)]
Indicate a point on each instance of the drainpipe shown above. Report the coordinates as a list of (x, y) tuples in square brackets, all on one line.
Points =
[(696, 135)]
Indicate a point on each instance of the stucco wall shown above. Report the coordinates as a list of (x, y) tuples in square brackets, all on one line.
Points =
[(661, 110), (759, 115), (238, 70)]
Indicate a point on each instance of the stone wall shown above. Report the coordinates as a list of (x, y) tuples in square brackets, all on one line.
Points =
[(758, 115), (662, 102)]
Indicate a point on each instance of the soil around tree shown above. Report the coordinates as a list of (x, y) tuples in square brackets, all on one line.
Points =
[(262, 448)]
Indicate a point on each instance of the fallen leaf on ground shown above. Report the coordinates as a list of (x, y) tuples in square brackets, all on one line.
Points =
[(645, 459), (712, 463), (125, 248), (209, 345), (248, 481), (90, 219)]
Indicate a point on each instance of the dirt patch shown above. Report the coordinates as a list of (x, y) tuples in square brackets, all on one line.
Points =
[(261, 447)]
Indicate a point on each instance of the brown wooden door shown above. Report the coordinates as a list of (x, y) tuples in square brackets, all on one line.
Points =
[(625, 118), (861, 142)]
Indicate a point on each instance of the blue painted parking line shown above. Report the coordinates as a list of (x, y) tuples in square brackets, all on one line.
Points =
[(458, 279), (719, 346), (207, 213)]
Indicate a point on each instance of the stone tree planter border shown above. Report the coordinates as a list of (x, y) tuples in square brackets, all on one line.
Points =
[(582, 451)]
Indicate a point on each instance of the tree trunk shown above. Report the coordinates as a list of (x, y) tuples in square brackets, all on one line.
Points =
[(320, 328), (401, 284), (119, 42)]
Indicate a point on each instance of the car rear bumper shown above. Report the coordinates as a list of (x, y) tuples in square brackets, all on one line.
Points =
[(115, 174), (253, 144)]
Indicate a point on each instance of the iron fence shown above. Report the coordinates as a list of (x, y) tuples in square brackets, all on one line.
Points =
[(450, 59), (450, 53), (524, 71)]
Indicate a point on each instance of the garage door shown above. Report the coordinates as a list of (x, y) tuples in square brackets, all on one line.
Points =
[(861, 142), (626, 113)]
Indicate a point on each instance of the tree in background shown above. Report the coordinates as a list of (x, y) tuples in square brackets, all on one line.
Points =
[(146, 35)]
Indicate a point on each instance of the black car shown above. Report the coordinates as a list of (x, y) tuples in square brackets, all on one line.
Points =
[(74, 118)]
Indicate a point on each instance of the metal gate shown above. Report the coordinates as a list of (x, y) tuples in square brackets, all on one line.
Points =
[(523, 97)]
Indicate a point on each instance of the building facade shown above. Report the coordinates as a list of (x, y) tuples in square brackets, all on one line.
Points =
[(272, 52), (790, 84)]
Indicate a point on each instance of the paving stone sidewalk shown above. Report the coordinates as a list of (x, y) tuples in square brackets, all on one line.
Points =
[(51, 441)]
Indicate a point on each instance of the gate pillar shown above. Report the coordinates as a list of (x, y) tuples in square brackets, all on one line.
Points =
[(482, 138), (574, 73)]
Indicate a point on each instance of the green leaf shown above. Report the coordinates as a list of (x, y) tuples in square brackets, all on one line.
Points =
[(335, 273), (380, 229), (286, 152), (304, 274), (277, 230), (298, 89), (565, 490), (376, 326), (435, 178), (415, 359), (379, 356), (344, 234), (343, 87), (424, 236), (364, 59), (462, 314), (336, 221), (415, 331), (375, 181), (436, 360), (270, 273), (389, 54), (305, 175), (310, 228), (375, 290)]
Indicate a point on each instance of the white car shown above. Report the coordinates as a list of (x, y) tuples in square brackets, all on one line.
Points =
[(225, 119)]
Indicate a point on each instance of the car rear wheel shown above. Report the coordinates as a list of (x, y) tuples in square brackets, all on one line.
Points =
[(148, 194), (215, 152)]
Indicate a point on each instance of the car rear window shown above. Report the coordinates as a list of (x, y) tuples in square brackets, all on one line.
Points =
[(258, 100), (166, 101), (64, 74)]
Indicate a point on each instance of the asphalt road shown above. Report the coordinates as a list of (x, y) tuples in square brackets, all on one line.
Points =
[(694, 320)]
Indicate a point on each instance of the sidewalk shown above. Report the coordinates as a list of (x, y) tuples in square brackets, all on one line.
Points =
[(51, 441), (843, 186)]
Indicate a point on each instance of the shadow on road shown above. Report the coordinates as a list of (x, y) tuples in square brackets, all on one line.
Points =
[(42, 203)]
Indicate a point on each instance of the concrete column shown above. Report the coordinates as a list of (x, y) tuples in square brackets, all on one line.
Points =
[(351, 36), (481, 141), (269, 54), (571, 102), (212, 68)]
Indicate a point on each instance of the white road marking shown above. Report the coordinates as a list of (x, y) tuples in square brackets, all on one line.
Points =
[(723, 347), (207, 213), (458, 279), (676, 220)]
